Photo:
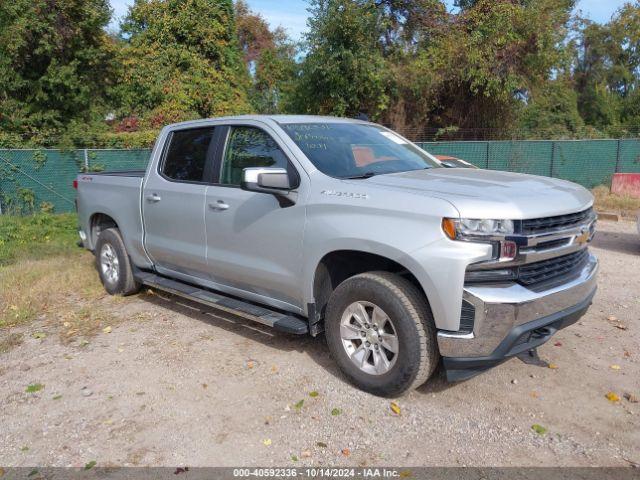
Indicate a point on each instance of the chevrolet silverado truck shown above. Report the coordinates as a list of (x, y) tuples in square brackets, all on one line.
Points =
[(315, 225)]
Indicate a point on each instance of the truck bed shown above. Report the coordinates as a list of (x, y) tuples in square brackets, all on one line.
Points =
[(116, 195)]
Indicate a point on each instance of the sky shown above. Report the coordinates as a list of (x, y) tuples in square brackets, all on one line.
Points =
[(292, 14)]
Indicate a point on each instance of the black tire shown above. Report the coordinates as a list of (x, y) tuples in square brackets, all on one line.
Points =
[(124, 283), (406, 306)]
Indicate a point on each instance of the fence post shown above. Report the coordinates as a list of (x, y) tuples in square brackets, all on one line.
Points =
[(617, 170), (487, 154), (553, 155), (86, 160)]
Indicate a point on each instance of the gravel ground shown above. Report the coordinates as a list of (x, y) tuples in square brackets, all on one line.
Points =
[(173, 385)]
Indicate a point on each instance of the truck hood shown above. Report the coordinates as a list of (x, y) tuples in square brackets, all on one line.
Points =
[(490, 194)]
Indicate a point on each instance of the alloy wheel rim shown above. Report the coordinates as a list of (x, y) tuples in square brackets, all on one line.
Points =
[(369, 338), (109, 263)]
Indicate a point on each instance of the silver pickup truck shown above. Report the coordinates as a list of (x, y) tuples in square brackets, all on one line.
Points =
[(317, 224)]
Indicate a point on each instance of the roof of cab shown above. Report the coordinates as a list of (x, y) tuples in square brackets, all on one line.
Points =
[(282, 119)]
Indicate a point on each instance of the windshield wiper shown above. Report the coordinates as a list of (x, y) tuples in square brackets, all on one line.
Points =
[(363, 175)]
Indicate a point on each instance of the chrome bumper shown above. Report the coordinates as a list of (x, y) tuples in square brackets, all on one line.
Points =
[(500, 309)]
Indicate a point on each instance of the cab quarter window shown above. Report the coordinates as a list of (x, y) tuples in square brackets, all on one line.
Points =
[(187, 154), (249, 147)]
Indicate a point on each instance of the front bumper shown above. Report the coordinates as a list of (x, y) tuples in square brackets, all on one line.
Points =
[(511, 319)]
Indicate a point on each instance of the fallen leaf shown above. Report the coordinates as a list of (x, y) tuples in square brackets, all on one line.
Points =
[(298, 405), (557, 344), (34, 387), (90, 465), (313, 394), (294, 458), (250, 363), (395, 408), (321, 444), (612, 397), (38, 335), (615, 367), (57, 397), (274, 369), (612, 318), (553, 366), (627, 354), (266, 441), (306, 454), (630, 397), (534, 394), (336, 411), (539, 429), (24, 449), (180, 470), (346, 452), (106, 329), (620, 326)]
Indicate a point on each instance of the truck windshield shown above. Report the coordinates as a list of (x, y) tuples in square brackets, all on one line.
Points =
[(353, 150)]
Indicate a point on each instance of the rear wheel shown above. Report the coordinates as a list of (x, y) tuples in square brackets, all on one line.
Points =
[(380, 331), (112, 262)]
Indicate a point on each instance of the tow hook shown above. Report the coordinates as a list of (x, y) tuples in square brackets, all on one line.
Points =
[(530, 357)]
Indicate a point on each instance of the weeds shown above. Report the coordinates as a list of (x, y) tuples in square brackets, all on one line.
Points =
[(45, 276), (605, 201), (36, 236), (10, 341)]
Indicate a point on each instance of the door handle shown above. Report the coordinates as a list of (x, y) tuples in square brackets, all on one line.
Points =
[(153, 198), (219, 205)]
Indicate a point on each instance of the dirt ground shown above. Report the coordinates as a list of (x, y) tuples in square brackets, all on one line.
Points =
[(172, 385)]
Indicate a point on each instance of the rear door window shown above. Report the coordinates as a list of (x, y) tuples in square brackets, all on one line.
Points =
[(186, 157)]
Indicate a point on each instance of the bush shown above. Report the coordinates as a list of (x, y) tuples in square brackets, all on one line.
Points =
[(36, 236)]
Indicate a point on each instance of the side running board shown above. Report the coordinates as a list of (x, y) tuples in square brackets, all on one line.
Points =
[(279, 321)]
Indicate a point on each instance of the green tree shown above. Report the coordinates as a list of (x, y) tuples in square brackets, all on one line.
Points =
[(270, 59), (475, 73), (344, 72), (552, 112), (55, 66), (181, 60)]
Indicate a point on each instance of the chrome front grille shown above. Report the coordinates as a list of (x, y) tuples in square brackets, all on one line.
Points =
[(538, 272), (548, 224), (549, 248)]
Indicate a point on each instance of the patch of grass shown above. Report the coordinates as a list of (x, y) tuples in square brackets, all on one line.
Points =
[(44, 276), (83, 322), (34, 387), (10, 341), (43, 273), (56, 287), (36, 236), (624, 205)]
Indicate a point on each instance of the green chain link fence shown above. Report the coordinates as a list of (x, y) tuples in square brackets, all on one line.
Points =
[(41, 180)]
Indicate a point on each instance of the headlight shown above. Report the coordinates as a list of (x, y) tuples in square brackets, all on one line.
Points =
[(471, 228)]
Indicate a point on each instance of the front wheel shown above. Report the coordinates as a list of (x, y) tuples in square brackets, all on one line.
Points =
[(380, 331)]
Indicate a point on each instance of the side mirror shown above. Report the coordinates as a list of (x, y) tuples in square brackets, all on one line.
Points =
[(266, 180)]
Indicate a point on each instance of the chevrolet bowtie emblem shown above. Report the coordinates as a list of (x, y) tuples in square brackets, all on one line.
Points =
[(583, 237)]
